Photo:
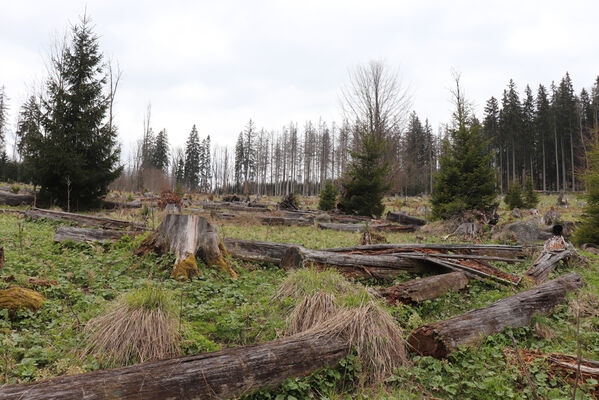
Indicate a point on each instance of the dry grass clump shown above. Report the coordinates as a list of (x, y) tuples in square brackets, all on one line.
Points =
[(142, 326), (311, 311)]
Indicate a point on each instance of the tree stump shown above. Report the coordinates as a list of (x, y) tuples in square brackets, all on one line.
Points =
[(188, 236), (18, 298)]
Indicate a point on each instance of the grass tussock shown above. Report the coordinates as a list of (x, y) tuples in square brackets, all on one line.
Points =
[(329, 305), (142, 326)]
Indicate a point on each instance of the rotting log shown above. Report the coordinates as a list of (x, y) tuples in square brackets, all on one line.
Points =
[(15, 199), (85, 235), (223, 374), (405, 219), (38, 213), (187, 236), (112, 205), (416, 290), (357, 265), (265, 219), (494, 250), (256, 251), (230, 206), (362, 227), (439, 339), (555, 250)]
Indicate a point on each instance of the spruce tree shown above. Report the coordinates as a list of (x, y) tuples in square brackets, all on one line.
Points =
[(513, 196), (530, 198), (78, 154), (192, 159), (160, 155), (239, 157), (588, 230), (366, 180), (466, 179), (328, 197)]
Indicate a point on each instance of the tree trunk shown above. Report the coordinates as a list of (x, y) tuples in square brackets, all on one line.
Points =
[(362, 227), (556, 157), (383, 267), (404, 218), (222, 374), (187, 236), (438, 339), (13, 199), (417, 290), (38, 213), (84, 235), (554, 251), (256, 251)]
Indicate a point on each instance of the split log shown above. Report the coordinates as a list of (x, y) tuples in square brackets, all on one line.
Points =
[(494, 250), (256, 251), (84, 235), (187, 236), (223, 374), (403, 218), (429, 288), (362, 227), (438, 339), (38, 213), (14, 199), (359, 266), (554, 250)]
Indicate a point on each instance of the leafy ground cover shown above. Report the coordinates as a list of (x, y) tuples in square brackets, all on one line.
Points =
[(82, 281)]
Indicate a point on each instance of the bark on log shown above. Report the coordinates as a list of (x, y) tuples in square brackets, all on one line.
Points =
[(357, 265), (403, 218), (222, 374), (474, 249), (554, 250), (14, 199), (256, 251), (112, 205), (438, 339), (230, 206), (187, 236), (429, 288), (38, 213), (273, 220), (362, 227), (84, 235)]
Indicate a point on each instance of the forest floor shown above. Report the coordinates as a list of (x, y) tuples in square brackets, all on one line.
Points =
[(80, 281)]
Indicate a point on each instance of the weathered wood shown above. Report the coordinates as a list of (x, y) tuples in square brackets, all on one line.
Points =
[(495, 250), (266, 219), (222, 374), (438, 339), (362, 227), (554, 250), (187, 236), (38, 213), (15, 199), (1, 257), (358, 265), (428, 288), (112, 205), (256, 251), (230, 206), (403, 218), (85, 235)]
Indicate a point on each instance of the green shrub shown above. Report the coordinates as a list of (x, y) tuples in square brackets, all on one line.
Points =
[(328, 197), (531, 199), (588, 231), (513, 197), (15, 188)]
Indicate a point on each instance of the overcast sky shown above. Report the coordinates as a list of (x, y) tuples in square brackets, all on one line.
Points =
[(218, 63)]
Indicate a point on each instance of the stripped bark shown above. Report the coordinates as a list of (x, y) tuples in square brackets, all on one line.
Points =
[(38, 213), (403, 218), (429, 288), (85, 235), (438, 339), (222, 374), (14, 199)]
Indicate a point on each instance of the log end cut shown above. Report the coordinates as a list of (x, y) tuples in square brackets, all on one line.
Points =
[(293, 258), (426, 342)]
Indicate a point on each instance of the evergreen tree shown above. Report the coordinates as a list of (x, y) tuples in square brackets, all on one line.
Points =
[(466, 179), (531, 199), (588, 230), (543, 127), (192, 160), (239, 157), (160, 155), (3, 116), (30, 139), (78, 151), (513, 197), (328, 197), (365, 182), (180, 172)]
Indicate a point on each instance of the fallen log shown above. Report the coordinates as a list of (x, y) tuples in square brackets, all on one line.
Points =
[(113, 205), (187, 236), (403, 218), (428, 288), (38, 213), (495, 250), (438, 339), (363, 227), (222, 374), (230, 206), (554, 250), (359, 266), (266, 219), (256, 251), (14, 199), (85, 235)]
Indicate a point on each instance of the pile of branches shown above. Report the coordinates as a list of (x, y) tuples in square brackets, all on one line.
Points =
[(169, 197), (289, 202)]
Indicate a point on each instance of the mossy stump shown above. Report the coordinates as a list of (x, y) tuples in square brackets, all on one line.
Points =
[(18, 298)]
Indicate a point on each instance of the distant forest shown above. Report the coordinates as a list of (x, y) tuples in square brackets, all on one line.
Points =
[(542, 133)]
